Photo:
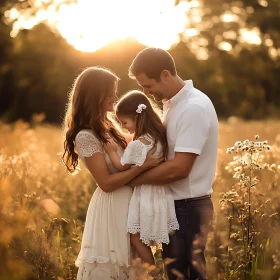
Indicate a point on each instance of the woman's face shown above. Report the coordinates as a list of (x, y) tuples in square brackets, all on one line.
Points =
[(110, 99)]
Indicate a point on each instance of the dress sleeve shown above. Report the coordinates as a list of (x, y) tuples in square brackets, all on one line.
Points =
[(87, 144), (135, 153)]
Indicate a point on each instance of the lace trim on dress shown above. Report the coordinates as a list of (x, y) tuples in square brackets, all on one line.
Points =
[(87, 143), (159, 238)]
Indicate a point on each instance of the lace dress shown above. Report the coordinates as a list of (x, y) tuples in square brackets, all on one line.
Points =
[(105, 248), (151, 208)]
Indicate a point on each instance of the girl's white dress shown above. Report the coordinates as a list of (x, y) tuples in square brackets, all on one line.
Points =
[(105, 248), (151, 208)]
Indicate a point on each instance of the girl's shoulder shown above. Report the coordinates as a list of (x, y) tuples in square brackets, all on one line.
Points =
[(146, 139)]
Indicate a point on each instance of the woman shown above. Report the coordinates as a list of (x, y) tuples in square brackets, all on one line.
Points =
[(105, 248)]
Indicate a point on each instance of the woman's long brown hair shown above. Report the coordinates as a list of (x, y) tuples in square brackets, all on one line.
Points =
[(148, 121), (84, 111)]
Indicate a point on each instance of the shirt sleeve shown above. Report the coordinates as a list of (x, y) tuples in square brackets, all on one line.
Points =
[(192, 130), (135, 153), (87, 144)]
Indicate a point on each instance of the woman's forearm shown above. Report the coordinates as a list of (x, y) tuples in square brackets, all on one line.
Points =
[(117, 180)]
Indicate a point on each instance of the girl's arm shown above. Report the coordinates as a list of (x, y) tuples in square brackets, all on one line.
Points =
[(116, 161), (111, 150)]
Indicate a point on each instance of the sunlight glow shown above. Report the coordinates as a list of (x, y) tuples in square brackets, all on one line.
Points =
[(268, 42), (202, 54), (191, 32), (263, 3), (89, 25), (230, 35), (229, 17), (250, 36), (274, 53), (12, 14), (225, 46)]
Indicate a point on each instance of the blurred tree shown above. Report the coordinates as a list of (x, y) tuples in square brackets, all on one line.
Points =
[(6, 71), (233, 57)]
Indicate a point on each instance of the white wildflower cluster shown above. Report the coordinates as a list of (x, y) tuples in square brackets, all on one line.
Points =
[(249, 146), (249, 156)]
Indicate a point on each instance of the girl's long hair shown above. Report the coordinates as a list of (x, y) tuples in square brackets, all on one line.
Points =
[(148, 121), (84, 111)]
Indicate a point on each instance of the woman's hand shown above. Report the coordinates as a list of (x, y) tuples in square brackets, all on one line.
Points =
[(151, 160), (111, 146)]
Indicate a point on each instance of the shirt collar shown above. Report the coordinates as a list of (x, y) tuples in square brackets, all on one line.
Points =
[(182, 93)]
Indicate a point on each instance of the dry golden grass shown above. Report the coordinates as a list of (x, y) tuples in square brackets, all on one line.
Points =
[(42, 208)]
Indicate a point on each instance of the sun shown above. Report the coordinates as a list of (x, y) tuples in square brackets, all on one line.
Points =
[(89, 25)]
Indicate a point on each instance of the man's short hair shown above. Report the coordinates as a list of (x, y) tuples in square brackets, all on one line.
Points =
[(151, 62)]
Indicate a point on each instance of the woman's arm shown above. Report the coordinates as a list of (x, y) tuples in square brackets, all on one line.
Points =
[(107, 181), (91, 149)]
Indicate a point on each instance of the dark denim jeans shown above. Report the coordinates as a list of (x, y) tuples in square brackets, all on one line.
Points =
[(187, 245)]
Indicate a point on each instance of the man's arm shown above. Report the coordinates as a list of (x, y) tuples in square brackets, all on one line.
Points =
[(167, 172), (192, 129)]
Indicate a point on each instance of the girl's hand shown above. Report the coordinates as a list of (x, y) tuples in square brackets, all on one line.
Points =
[(111, 146), (151, 160)]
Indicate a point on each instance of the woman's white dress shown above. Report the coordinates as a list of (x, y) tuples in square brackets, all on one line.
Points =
[(105, 247), (151, 208)]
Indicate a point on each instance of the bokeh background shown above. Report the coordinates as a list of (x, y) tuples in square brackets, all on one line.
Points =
[(230, 49)]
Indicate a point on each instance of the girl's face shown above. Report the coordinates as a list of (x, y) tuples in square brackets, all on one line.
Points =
[(128, 123), (110, 99)]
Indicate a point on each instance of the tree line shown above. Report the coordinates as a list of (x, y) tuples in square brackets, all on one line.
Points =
[(38, 67)]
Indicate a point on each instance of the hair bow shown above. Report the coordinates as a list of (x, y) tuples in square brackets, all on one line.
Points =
[(140, 108)]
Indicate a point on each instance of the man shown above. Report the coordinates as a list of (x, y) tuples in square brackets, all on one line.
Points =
[(192, 135)]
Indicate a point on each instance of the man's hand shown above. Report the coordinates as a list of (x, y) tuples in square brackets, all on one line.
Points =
[(169, 171), (152, 160)]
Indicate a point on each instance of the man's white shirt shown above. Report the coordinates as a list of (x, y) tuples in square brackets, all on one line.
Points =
[(192, 127)]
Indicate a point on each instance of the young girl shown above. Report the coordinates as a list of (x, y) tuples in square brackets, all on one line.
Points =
[(151, 215)]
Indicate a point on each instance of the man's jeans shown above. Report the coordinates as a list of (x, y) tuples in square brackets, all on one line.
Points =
[(187, 245)]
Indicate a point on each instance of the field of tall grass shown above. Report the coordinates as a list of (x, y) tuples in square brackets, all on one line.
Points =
[(43, 209)]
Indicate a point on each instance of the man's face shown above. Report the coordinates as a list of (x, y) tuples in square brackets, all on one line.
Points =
[(151, 86)]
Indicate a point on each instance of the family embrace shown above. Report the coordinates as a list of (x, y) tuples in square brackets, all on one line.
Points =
[(154, 183)]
